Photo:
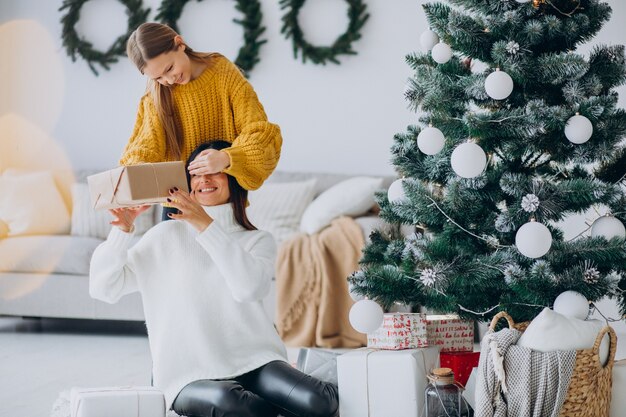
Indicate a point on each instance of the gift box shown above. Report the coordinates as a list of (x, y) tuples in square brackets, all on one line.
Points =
[(461, 364), (400, 331), (319, 363), (117, 401), (134, 185), (384, 383), (450, 333)]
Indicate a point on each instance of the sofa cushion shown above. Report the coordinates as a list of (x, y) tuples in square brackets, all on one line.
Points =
[(47, 254), (352, 197), (32, 205), (278, 207)]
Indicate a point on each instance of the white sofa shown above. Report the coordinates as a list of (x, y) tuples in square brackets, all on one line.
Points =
[(47, 275)]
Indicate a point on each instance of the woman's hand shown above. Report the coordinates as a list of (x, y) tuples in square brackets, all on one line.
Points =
[(125, 217), (190, 210), (209, 161)]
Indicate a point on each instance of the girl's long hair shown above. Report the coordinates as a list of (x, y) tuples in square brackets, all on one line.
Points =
[(148, 41), (238, 194)]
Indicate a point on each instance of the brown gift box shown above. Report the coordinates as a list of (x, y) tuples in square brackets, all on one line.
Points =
[(134, 185)]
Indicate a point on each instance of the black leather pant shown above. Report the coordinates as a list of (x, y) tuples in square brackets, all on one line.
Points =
[(275, 388)]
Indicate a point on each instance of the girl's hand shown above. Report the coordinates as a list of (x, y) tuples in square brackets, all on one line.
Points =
[(125, 217), (190, 210), (209, 161)]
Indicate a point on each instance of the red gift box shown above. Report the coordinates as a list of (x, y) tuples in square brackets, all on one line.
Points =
[(461, 364)]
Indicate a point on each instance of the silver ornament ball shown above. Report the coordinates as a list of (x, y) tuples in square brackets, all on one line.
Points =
[(533, 239), (499, 85), (428, 40), (608, 227), (366, 316), (578, 129), (572, 304), (441, 53), (468, 160), (431, 141)]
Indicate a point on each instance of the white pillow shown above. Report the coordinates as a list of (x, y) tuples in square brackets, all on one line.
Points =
[(278, 207), (32, 205), (96, 223), (551, 331), (351, 197)]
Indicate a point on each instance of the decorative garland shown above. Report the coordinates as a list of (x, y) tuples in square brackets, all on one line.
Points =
[(248, 56), (75, 45), (321, 54)]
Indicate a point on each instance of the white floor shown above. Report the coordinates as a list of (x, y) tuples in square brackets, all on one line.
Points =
[(40, 358)]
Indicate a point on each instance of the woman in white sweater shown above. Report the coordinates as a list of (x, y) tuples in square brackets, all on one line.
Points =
[(202, 279)]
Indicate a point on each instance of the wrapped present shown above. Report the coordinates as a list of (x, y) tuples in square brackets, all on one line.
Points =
[(470, 388), (319, 363), (461, 364), (117, 401), (400, 331), (383, 383), (450, 333), (135, 185)]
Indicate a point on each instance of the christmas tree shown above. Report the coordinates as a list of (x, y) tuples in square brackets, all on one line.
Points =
[(516, 132)]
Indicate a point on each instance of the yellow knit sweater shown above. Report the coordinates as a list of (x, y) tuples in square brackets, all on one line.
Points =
[(219, 104)]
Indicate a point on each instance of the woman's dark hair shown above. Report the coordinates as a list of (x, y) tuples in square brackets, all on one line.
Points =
[(238, 194)]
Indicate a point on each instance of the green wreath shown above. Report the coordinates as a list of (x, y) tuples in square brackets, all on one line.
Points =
[(248, 56), (321, 54), (75, 45)]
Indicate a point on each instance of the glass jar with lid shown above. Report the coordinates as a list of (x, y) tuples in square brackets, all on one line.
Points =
[(442, 395)]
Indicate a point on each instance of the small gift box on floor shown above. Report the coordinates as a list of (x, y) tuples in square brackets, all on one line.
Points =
[(450, 333), (384, 383), (117, 402), (135, 185), (400, 331), (461, 364)]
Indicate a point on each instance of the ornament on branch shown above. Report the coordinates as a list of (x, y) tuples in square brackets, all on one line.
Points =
[(608, 227), (441, 53), (512, 48), (431, 140), (572, 304), (533, 239), (522, 1), (578, 129), (395, 193), (530, 203), (428, 40), (428, 277), (498, 85), (366, 316), (468, 160)]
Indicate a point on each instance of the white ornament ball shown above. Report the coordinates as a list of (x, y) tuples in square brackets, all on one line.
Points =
[(468, 160), (428, 40), (572, 304), (578, 129), (522, 1), (353, 295), (441, 53), (395, 193), (499, 85), (366, 316), (608, 227), (431, 140), (533, 240)]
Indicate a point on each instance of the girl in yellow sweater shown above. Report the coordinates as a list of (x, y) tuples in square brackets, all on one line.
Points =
[(192, 98)]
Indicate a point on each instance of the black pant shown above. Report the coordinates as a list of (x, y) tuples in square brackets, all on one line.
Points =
[(265, 392)]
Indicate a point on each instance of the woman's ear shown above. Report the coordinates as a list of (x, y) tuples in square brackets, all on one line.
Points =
[(179, 42)]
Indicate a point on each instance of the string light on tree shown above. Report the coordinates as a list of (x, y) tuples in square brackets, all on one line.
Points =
[(430, 140), (441, 53), (572, 304), (499, 85), (395, 193), (428, 40), (608, 227), (533, 239), (468, 160), (578, 129), (366, 316)]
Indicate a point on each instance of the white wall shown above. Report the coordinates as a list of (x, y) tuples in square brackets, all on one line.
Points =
[(334, 118)]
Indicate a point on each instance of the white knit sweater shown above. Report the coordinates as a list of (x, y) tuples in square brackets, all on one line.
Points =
[(202, 296)]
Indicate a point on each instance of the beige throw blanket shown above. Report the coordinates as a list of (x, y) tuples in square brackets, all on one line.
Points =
[(312, 288)]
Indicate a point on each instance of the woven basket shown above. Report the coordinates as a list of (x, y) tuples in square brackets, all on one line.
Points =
[(589, 392)]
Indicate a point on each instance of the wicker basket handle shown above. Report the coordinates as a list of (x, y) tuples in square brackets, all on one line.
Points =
[(612, 346), (497, 318)]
